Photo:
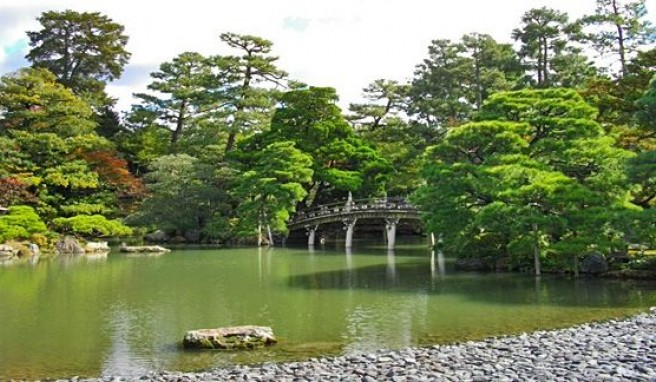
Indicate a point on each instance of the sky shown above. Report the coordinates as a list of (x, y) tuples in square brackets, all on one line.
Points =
[(345, 44)]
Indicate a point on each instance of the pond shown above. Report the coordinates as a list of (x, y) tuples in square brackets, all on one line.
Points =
[(126, 315)]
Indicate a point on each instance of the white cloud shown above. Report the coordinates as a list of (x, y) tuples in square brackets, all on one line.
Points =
[(341, 43)]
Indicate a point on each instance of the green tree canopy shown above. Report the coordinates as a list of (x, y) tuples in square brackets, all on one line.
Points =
[(31, 100), (437, 95), (179, 87), (188, 196), (342, 162), (84, 50), (544, 36), (619, 27), (247, 107), (270, 188), (50, 147), (534, 171)]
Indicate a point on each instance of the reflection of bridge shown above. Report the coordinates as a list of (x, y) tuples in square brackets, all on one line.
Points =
[(390, 209)]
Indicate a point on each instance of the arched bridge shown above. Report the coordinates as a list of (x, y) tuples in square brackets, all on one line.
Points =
[(390, 209)]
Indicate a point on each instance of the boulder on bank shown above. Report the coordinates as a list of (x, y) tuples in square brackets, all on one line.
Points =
[(94, 247), (69, 245), (7, 252), (158, 236), (230, 338), (594, 263), (142, 249)]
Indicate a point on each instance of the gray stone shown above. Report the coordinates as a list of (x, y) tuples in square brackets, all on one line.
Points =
[(594, 263), (158, 236), (93, 247), (235, 337), (68, 245), (7, 251), (142, 249), (192, 236)]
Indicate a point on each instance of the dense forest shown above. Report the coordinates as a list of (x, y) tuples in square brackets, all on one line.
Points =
[(545, 145)]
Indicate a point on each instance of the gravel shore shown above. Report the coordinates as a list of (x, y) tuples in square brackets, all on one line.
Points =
[(618, 350)]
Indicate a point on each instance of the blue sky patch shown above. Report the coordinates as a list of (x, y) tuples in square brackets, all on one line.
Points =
[(15, 56), (299, 24), (19, 47)]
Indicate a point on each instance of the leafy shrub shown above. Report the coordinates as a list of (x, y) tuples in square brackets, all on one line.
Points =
[(39, 239), (85, 209), (644, 263), (92, 225), (20, 223)]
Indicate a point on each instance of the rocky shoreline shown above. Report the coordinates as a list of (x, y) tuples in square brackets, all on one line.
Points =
[(617, 350)]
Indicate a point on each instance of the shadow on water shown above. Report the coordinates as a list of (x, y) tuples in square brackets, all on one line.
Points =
[(436, 276)]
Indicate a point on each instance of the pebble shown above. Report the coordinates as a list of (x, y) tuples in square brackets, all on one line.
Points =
[(612, 351)]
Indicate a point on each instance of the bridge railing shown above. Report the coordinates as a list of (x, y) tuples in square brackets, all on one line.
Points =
[(371, 204)]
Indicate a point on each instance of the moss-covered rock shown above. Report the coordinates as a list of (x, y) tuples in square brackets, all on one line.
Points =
[(230, 338)]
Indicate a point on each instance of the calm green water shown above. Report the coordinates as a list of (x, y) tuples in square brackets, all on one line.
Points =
[(126, 315)]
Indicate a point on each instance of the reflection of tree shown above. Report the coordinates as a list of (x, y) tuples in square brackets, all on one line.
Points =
[(492, 288), (120, 359), (55, 313), (372, 326)]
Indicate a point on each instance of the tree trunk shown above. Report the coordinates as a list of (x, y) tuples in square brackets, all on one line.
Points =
[(620, 38), (270, 235), (248, 75), (180, 123), (230, 144), (479, 85), (536, 250), (379, 119), (545, 63)]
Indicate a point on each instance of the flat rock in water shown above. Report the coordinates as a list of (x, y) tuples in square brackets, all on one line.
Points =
[(143, 249), (92, 247), (233, 338)]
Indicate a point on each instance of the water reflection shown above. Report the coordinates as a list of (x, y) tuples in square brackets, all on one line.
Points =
[(437, 266), (125, 315), (349, 259), (391, 266), (371, 326), (120, 359), (511, 289), (264, 258), (69, 260), (98, 257)]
